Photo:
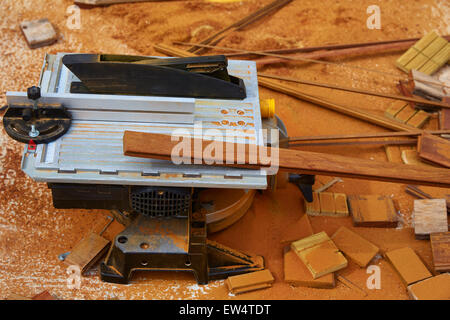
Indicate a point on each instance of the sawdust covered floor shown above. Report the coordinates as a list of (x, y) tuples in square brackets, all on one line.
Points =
[(33, 233)]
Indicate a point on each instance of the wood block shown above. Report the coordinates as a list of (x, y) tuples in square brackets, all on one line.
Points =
[(405, 114), (354, 246), (374, 211), (250, 281), (320, 255), (300, 229), (87, 252), (412, 157), (393, 154), (341, 206), (440, 246), (38, 33), (44, 295), (408, 265), (313, 208), (327, 206), (435, 288), (430, 216), (444, 119), (395, 108), (434, 149), (297, 274), (419, 119)]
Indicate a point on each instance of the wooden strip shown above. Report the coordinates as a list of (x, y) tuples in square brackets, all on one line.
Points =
[(250, 281), (405, 114), (395, 108), (354, 90), (430, 216), (327, 206), (354, 246), (340, 202), (297, 274), (374, 211), (434, 149), (435, 288), (408, 265), (349, 111), (393, 154), (149, 145), (440, 247), (419, 119), (319, 254), (415, 191)]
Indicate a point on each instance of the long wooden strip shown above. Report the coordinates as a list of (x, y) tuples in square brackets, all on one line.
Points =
[(360, 91), (359, 114), (434, 149), (150, 145)]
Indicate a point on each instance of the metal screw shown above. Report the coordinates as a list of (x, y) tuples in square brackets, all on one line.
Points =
[(33, 132)]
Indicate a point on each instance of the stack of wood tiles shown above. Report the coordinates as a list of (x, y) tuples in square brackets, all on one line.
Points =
[(320, 255), (428, 55), (430, 216), (403, 112), (327, 204), (373, 211), (250, 281), (408, 265), (440, 246)]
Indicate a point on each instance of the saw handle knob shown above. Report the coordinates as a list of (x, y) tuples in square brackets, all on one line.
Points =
[(34, 93), (27, 114)]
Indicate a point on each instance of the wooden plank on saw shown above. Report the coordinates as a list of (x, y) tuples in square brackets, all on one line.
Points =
[(440, 247), (430, 216), (374, 211), (435, 288), (354, 246), (250, 281), (320, 255), (297, 274), (408, 265), (160, 146), (434, 149)]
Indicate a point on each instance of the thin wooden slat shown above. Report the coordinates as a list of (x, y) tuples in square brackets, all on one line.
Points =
[(440, 246), (434, 149), (149, 145), (419, 119)]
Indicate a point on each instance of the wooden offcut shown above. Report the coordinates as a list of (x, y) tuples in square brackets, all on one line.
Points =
[(38, 33), (87, 252), (430, 216), (411, 157), (160, 146), (435, 288), (434, 149), (408, 265), (298, 230), (297, 274), (440, 246), (320, 255), (327, 204), (355, 247), (419, 119), (250, 281), (374, 211)]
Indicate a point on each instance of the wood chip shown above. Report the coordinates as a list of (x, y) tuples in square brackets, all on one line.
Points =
[(354, 246), (435, 288), (250, 281), (44, 295), (320, 255), (419, 119), (38, 33), (88, 251), (327, 204), (297, 274), (374, 211), (430, 216), (408, 265), (440, 246), (434, 149)]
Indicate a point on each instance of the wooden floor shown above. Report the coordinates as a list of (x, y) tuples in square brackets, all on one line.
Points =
[(33, 233)]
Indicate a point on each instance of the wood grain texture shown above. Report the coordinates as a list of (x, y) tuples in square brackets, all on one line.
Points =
[(434, 149), (374, 211), (430, 216), (408, 265), (440, 246), (149, 145)]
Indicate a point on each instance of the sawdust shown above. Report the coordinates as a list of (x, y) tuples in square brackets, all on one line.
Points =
[(33, 233)]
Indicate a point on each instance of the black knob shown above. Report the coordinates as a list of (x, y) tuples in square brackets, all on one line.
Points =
[(27, 114), (34, 93)]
